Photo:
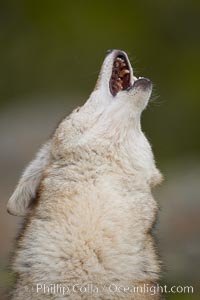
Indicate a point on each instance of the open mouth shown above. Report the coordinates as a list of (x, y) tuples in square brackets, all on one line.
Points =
[(121, 75), (122, 78)]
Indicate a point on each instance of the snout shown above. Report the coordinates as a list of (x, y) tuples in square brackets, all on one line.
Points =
[(117, 74)]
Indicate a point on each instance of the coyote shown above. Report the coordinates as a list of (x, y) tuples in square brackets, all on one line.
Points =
[(87, 200)]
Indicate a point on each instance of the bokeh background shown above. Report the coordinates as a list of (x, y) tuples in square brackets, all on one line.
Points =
[(50, 55)]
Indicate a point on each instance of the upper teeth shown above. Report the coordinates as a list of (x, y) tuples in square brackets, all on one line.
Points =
[(119, 59)]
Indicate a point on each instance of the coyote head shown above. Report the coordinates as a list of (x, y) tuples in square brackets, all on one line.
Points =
[(104, 132), (109, 121)]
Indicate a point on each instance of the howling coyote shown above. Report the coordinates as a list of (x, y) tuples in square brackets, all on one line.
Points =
[(87, 200)]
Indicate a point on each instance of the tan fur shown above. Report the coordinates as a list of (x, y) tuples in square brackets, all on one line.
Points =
[(94, 211)]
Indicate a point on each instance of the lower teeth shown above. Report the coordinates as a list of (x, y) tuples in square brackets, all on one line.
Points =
[(123, 72)]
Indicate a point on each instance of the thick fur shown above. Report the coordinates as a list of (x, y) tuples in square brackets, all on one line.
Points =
[(93, 210)]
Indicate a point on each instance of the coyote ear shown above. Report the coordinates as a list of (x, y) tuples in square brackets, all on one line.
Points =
[(20, 201), (25, 192)]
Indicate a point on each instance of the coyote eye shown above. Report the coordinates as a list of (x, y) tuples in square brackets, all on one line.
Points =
[(120, 78)]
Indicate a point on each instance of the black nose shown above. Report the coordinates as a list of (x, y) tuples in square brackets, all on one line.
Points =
[(109, 51)]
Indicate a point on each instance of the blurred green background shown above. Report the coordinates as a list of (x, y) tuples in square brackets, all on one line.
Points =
[(50, 56)]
